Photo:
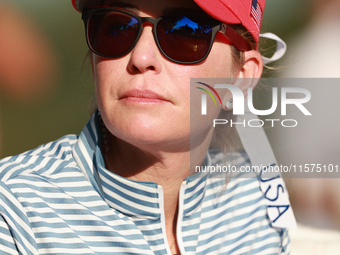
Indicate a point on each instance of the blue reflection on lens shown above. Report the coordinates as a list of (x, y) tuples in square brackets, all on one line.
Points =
[(118, 26), (132, 23), (185, 22)]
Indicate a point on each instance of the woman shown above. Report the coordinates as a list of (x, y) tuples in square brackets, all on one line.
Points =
[(124, 185)]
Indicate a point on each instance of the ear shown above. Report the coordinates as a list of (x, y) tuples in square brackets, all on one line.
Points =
[(253, 65), (251, 71), (248, 75)]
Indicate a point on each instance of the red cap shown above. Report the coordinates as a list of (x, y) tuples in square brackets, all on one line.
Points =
[(246, 12)]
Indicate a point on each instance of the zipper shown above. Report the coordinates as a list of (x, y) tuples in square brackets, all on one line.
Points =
[(161, 206), (179, 219)]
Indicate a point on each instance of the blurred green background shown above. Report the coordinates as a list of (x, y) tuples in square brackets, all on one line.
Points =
[(25, 124)]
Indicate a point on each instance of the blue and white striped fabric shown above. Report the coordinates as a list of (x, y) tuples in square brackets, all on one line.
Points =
[(59, 199)]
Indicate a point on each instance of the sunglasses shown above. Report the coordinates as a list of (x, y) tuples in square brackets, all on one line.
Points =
[(183, 39)]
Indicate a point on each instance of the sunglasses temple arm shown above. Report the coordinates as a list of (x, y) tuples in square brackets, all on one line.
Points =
[(235, 38)]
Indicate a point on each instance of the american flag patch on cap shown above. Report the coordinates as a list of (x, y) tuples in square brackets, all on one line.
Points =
[(256, 14)]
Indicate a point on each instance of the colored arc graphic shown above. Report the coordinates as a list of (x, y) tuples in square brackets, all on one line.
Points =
[(206, 91), (209, 92)]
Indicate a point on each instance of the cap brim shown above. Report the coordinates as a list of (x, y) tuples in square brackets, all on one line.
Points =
[(219, 11), (215, 9)]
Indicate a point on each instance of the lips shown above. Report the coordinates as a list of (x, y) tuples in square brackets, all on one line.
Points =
[(143, 96)]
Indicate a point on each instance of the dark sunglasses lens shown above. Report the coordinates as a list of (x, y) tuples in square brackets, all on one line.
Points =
[(184, 39), (112, 33)]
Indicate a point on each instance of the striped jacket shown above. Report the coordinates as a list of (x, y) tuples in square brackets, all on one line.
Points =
[(60, 199)]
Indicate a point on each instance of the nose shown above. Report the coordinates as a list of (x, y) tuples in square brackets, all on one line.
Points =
[(145, 56)]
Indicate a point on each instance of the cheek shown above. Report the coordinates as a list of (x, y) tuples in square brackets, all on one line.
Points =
[(219, 63), (105, 74), (100, 87), (107, 69), (98, 68), (101, 69)]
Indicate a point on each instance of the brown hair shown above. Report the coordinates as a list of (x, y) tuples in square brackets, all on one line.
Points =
[(227, 139), (238, 56)]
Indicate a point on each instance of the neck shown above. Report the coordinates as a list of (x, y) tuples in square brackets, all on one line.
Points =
[(168, 169)]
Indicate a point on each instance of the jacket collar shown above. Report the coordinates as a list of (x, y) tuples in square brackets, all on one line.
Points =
[(132, 198)]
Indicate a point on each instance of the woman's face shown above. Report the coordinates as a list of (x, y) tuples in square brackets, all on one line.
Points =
[(144, 98)]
